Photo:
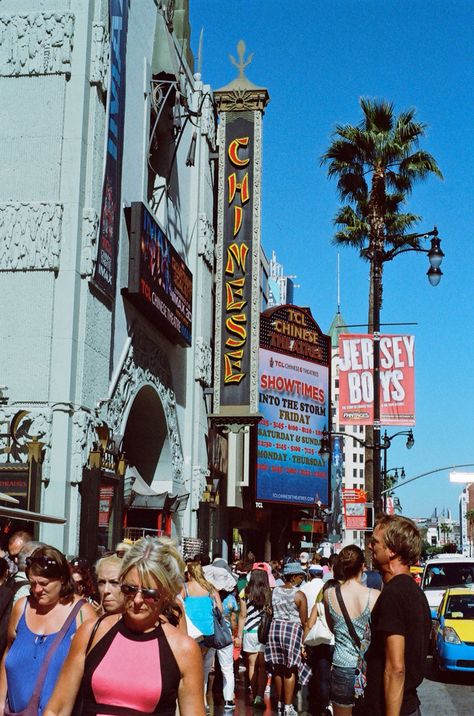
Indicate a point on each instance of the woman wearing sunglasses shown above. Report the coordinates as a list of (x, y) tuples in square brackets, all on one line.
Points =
[(135, 662), (34, 623)]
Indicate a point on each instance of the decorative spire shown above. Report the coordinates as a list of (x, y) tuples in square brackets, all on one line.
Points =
[(241, 64)]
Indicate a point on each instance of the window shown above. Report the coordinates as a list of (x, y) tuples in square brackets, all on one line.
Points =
[(361, 457), (354, 457), (361, 474), (354, 473), (354, 535)]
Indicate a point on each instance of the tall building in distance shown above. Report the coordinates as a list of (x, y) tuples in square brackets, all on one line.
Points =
[(280, 287), (353, 455)]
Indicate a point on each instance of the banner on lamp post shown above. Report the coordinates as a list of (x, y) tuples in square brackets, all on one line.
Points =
[(356, 379), (355, 512)]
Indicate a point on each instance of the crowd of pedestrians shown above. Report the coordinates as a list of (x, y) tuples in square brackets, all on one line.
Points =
[(143, 632)]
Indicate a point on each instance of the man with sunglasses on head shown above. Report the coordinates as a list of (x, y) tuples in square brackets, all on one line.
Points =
[(16, 543)]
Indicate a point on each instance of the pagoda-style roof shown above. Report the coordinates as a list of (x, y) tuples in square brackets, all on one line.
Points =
[(338, 326)]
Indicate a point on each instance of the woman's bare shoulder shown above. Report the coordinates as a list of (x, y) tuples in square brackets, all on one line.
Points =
[(182, 645)]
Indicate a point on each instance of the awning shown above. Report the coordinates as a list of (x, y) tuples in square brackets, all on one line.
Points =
[(28, 516), (7, 498), (142, 496)]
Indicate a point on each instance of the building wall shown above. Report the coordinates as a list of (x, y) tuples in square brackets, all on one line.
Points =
[(69, 357)]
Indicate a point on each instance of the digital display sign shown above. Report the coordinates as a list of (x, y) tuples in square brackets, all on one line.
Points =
[(160, 284)]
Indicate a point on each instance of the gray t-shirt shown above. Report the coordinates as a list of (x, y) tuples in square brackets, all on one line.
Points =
[(283, 603)]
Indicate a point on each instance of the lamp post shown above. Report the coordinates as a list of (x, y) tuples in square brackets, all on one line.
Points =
[(388, 482), (378, 256), (325, 451)]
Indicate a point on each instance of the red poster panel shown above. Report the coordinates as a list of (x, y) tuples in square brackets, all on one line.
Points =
[(355, 514), (106, 496), (356, 380)]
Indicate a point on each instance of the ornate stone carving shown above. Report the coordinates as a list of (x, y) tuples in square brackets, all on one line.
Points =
[(147, 364), (206, 240), (37, 43), (100, 56), (37, 423), (208, 121), (198, 487), (219, 258), (203, 362), (30, 236), (256, 280), (90, 227), (83, 436), (241, 100)]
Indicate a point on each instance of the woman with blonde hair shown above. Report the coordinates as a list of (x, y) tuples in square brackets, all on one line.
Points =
[(135, 662), (199, 597)]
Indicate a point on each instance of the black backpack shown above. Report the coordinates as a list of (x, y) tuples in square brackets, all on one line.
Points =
[(7, 594)]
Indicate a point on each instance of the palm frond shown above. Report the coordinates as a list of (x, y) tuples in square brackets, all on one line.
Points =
[(419, 164), (378, 115)]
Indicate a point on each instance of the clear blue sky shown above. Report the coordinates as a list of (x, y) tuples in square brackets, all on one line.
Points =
[(316, 59)]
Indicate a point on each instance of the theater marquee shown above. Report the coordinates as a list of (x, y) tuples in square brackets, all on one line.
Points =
[(294, 400)]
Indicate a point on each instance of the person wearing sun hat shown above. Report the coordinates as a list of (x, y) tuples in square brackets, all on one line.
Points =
[(283, 651), (304, 561)]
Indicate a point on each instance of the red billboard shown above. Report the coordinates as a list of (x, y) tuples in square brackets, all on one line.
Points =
[(356, 379)]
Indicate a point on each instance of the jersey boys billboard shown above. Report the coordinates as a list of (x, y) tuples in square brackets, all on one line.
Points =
[(294, 403), (356, 382)]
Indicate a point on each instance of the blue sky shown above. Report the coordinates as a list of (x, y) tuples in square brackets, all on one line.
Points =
[(316, 59)]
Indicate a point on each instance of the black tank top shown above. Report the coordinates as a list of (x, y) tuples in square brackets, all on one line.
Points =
[(130, 674)]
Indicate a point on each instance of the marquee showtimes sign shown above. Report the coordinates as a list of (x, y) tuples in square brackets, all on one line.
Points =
[(294, 400)]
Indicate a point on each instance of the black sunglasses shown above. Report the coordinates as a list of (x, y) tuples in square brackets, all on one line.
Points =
[(148, 595), (49, 566), (79, 562)]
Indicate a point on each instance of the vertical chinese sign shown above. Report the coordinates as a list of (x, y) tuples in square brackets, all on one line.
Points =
[(109, 226), (237, 284), (238, 258)]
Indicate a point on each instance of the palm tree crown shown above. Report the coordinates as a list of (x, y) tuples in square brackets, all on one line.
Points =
[(377, 164)]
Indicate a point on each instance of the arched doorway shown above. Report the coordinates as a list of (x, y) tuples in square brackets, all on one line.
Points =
[(145, 440)]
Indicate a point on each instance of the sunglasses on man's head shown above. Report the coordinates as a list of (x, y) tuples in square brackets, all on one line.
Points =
[(148, 595)]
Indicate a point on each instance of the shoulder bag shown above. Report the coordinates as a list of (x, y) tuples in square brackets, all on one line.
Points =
[(222, 636), (32, 707), (319, 633), (360, 679), (264, 626)]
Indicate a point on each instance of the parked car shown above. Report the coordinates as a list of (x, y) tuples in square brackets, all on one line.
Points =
[(453, 631), (443, 572)]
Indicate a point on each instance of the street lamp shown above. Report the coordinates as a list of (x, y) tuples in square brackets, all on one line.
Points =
[(325, 451), (378, 255), (388, 482)]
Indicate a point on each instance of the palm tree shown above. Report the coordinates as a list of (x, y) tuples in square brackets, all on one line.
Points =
[(445, 530), (377, 164)]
